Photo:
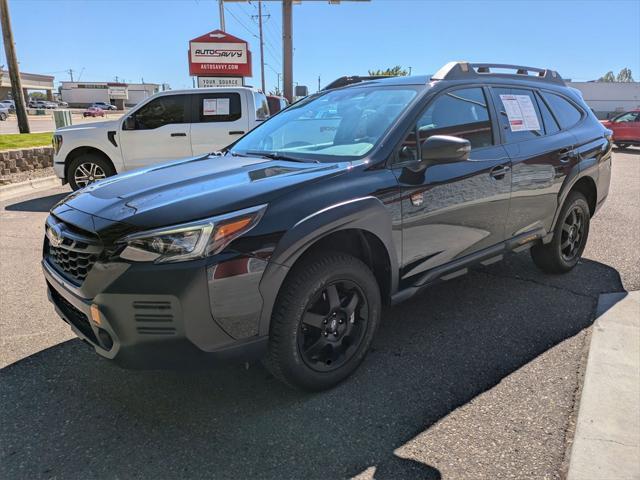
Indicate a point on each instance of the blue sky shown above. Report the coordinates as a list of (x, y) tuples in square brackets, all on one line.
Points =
[(149, 38)]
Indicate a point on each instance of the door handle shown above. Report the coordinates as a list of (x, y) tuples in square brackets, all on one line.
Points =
[(236, 132), (179, 134), (499, 171)]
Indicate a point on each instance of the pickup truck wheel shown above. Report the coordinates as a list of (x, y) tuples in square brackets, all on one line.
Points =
[(3, 116), (323, 322), (88, 168), (569, 237)]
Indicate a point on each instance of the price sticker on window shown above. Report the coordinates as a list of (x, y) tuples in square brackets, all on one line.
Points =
[(520, 112), (215, 106)]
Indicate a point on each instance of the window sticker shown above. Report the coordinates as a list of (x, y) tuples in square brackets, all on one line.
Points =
[(215, 106), (520, 112)]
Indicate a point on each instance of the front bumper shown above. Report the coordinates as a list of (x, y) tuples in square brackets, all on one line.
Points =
[(159, 316)]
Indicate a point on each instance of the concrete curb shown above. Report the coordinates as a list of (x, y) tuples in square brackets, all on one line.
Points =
[(607, 439), (17, 189)]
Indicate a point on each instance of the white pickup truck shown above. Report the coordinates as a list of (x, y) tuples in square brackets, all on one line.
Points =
[(169, 125)]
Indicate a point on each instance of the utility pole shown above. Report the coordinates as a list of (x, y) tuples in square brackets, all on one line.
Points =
[(221, 13), (12, 64), (287, 49), (261, 44), (318, 82)]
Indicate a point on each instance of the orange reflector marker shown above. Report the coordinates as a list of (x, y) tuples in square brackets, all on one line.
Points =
[(95, 314), (228, 229)]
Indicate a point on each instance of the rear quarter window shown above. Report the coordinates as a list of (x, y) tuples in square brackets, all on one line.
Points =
[(262, 106), (564, 111)]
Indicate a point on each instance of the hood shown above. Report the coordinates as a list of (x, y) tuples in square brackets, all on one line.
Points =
[(108, 124), (196, 188)]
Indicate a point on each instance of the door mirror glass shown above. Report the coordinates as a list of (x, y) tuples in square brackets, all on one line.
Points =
[(129, 123), (445, 148)]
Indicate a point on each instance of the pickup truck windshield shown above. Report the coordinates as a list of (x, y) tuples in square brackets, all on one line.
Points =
[(344, 123)]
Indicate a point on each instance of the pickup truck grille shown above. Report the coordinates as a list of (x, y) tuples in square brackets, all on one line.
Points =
[(71, 251)]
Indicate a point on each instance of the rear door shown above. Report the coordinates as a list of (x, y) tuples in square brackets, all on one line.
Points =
[(451, 210), (219, 118), (626, 127), (160, 132), (542, 155)]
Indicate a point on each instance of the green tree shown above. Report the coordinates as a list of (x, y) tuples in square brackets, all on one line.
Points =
[(624, 75), (608, 77), (37, 96), (396, 71)]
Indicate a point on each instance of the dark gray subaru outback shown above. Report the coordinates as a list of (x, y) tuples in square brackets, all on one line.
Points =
[(286, 245)]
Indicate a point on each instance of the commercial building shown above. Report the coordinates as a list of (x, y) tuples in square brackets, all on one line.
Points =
[(83, 94), (607, 99), (30, 81)]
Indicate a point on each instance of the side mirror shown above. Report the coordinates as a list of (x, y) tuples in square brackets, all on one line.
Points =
[(444, 149), (129, 123)]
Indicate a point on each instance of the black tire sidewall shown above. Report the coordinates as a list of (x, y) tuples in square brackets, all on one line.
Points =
[(88, 158), (575, 199), (309, 278)]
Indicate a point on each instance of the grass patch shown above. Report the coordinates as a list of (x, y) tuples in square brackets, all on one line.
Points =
[(24, 140)]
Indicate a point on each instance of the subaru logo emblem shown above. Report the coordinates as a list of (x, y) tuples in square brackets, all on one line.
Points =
[(55, 236)]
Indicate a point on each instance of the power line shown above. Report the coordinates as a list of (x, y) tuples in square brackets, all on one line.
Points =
[(241, 23)]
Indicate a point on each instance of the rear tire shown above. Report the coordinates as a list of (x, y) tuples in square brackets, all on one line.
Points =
[(324, 320), (3, 116), (569, 237), (88, 168)]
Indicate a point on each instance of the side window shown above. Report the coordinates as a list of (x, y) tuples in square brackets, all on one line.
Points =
[(162, 111), (217, 107), (550, 124), (519, 114), (459, 113), (262, 106), (626, 117), (564, 111)]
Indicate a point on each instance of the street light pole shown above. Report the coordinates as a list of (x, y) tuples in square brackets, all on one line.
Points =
[(14, 72)]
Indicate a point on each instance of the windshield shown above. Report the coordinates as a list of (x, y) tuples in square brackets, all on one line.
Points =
[(344, 123)]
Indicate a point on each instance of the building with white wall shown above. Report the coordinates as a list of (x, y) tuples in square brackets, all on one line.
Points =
[(83, 94), (608, 98)]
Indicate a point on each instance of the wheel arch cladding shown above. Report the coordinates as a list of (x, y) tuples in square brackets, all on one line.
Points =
[(361, 227), (78, 151), (587, 186)]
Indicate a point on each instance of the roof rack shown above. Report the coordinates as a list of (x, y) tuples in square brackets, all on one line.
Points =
[(466, 70)]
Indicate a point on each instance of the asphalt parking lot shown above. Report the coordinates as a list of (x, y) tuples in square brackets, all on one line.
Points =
[(45, 123), (475, 378)]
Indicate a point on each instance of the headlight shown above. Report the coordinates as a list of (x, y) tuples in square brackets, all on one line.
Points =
[(191, 240)]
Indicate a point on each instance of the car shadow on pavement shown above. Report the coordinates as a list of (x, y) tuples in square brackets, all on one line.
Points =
[(68, 414), (40, 204)]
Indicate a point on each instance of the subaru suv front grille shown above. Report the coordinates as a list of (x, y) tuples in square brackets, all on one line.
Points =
[(71, 251)]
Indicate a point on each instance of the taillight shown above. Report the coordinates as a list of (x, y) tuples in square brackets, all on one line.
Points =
[(56, 142)]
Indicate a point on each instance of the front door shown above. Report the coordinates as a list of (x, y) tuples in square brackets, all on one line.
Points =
[(159, 131), (219, 119), (451, 210)]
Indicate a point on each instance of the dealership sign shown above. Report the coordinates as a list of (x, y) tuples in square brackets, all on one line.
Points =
[(204, 82), (219, 54)]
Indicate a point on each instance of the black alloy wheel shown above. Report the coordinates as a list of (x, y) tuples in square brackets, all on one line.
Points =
[(333, 325)]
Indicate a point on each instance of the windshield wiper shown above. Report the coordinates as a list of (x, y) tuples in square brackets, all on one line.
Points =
[(280, 156)]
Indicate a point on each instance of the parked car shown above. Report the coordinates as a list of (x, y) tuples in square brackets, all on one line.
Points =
[(276, 103), (4, 113), (93, 112), (62, 104), (9, 104), (286, 245), (37, 104), (169, 125), (104, 106), (626, 129)]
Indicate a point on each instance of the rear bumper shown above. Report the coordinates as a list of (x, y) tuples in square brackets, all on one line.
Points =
[(173, 328)]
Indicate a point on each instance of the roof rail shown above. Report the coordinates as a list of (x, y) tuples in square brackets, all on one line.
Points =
[(466, 70)]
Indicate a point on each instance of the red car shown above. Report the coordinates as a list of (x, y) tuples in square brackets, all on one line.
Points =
[(626, 129), (93, 112)]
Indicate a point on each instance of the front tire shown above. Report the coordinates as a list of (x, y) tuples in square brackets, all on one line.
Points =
[(569, 237), (324, 320), (3, 116), (88, 168)]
